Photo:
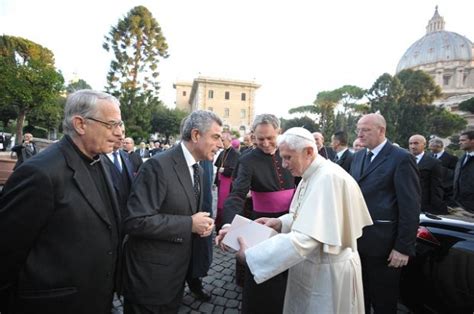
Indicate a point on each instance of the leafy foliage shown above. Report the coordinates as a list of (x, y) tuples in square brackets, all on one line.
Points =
[(167, 121), (78, 85), (467, 105), (137, 44), (305, 122), (28, 78)]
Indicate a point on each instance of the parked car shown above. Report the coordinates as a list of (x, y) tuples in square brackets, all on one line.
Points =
[(440, 278)]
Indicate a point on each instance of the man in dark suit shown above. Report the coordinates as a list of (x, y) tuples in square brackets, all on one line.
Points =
[(120, 168), (388, 178), (448, 162), (59, 222), (135, 159), (143, 151), (431, 176), (343, 155), (156, 148), (202, 246), (464, 173), (324, 151), (25, 150), (163, 218)]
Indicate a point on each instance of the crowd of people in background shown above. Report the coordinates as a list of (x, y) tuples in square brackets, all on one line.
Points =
[(94, 217)]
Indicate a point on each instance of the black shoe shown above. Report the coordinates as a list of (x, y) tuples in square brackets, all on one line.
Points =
[(201, 294)]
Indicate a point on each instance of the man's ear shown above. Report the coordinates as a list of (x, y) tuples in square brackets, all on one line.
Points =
[(79, 124), (195, 135), (309, 151)]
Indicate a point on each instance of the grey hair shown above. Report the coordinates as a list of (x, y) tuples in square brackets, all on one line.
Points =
[(266, 118), (83, 103), (436, 141), (200, 120), (296, 142)]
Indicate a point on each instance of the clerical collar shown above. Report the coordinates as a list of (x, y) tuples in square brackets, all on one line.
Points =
[(87, 159)]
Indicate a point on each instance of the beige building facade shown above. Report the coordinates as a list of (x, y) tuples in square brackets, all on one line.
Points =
[(232, 100)]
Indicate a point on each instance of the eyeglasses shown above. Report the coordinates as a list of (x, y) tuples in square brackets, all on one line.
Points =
[(363, 130), (108, 125)]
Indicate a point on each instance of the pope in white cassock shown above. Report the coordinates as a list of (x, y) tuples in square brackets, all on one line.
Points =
[(318, 237)]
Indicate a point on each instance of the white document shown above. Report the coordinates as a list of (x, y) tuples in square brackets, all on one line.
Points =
[(253, 233)]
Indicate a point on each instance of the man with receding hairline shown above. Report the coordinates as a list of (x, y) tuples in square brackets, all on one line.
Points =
[(388, 178), (431, 176)]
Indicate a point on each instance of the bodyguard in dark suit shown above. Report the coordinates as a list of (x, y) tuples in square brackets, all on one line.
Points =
[(343, 156), (464, 173), (135, 159), (163, 218), (448, 162), (431, 176), (59, 222), (324, 151), (388, 178), (120, 168)]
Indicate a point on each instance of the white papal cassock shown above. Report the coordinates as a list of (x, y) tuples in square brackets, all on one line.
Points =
[(318, 244)]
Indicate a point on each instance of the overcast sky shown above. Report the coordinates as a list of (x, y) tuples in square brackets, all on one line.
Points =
[(294, 49)]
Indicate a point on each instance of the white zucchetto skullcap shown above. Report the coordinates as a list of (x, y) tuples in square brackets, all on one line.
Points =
[(300, 132)]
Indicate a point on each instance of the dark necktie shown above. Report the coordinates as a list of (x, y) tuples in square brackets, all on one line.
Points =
[(367, 161), (336, 158), (116, 161), (196, 178), (466, 159)]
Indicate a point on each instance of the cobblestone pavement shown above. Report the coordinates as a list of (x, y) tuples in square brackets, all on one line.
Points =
[(220, 282)]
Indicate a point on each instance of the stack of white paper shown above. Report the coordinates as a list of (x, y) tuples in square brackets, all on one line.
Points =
[(253, 233)]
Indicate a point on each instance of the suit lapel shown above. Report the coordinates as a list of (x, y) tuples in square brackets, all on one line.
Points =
[(378, 160), (84, 181), (183, 175), (126, 163)]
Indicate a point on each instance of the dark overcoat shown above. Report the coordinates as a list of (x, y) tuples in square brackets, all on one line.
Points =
[(56, 239)]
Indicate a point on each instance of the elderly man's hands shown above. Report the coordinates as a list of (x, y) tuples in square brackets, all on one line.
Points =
[(240, 255), (202, 224), (221, 236), (273, 223)]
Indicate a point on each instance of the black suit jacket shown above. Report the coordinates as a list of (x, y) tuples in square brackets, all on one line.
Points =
[(327, 152), (464, 183), (431, 180), (56, 239), (448, 162), (121, 181), (136, 161), (346, 160), (158, 223), (391, 189)]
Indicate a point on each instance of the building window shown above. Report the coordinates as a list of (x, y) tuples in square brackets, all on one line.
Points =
[(226, 112), (446, 80), (243, 96), (227, 95), (210, 94), (242, 113), (184, 93), (210, 108)]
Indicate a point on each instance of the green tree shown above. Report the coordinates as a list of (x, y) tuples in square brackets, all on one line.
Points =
[(77, 85), (304, 122), (167, 121), (326, 104), (49, 116), (467, 105), (28, 77), (137, 44), (405, 100)]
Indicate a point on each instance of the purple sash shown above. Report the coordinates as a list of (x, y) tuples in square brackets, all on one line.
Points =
[(272, 202), (223, 190)]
